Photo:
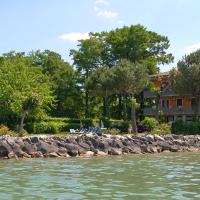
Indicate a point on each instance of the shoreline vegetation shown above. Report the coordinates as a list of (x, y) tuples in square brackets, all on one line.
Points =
[(83, 145)]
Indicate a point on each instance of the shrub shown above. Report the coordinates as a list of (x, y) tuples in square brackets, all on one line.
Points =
[(51, 127), (125, 125), (185, 128), (162, 129), (4, 130), (106, 122), (112, 131), (150, 123)]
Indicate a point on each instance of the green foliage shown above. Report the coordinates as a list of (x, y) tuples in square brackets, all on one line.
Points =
[(24, 88), (4, 130), (124, 126), (185, 128), (150, 123), (112, 131), (106, 122), (186, 80), (51, 127), (162, 129)]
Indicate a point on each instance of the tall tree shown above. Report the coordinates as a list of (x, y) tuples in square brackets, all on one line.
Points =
[(86, 59), (186, 79), (100, 83), (130, 79), (63, 79), (24, 88)]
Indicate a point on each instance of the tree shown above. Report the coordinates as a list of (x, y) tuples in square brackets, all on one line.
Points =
[(24, 88), (106, 49), (130, 79), (186, 79), (137, 44), (100, 83), (87, 58), (63, 79)]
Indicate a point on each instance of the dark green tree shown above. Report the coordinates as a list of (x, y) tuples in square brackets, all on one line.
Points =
[(186, 79)]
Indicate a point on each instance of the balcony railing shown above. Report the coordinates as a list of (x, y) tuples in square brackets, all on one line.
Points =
[(170, 111)]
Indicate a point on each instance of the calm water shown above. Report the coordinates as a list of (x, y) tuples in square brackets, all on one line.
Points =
[(134, 177)]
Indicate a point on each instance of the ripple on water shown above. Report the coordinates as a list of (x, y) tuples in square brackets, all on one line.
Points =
[(146, 177)]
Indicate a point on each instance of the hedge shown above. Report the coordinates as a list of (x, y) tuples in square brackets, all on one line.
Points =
[(51, 127), (185, 128)]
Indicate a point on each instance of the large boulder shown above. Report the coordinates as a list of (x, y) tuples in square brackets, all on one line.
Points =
[(5, 149), (115, 151), (46, 148), (72, 149)]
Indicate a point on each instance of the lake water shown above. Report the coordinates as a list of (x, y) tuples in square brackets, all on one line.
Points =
[(135, 177)]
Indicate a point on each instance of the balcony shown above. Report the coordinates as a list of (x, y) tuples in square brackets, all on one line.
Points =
[(170, 111), (177, 111)]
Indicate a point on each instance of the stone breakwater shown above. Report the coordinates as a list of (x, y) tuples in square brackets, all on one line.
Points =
[(67, 146)]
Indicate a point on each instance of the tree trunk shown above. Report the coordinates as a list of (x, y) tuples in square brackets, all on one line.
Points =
[(125, 109), (120, 107), (133, 120), (157, 107), (22, 121), (86, 103), (105, 107), (87, 97)]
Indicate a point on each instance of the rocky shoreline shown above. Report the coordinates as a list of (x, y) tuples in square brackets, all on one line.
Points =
[(74, 146)]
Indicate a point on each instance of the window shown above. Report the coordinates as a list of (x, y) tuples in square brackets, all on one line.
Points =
[(165, 103), (179, 103)]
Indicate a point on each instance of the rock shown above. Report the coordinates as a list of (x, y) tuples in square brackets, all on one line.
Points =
[(29, 148), (46, 148), (101, 153), (25, 155), (150, 138), (72, 149), (158, 138), (62, 150), (104, 146), (164, 146), (37, 154), (5, 149), (115, 151), (135, 150), (84, 145), (53, 155), (11, 155), (88, 154), (34, 139), (117, 144), (175, 148)]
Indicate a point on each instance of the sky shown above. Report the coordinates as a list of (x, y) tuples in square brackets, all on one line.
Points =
[(27, 25)]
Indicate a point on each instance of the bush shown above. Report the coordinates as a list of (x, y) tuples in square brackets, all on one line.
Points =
[(51, 127), (106, 122), (4, 130), (112, 131), (124, 126), (185, 128), (150, 123), (162, 129)]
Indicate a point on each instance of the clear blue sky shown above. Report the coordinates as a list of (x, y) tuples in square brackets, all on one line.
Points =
[(55, 24)]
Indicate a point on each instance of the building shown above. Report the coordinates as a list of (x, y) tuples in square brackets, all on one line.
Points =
[(165, 101)]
